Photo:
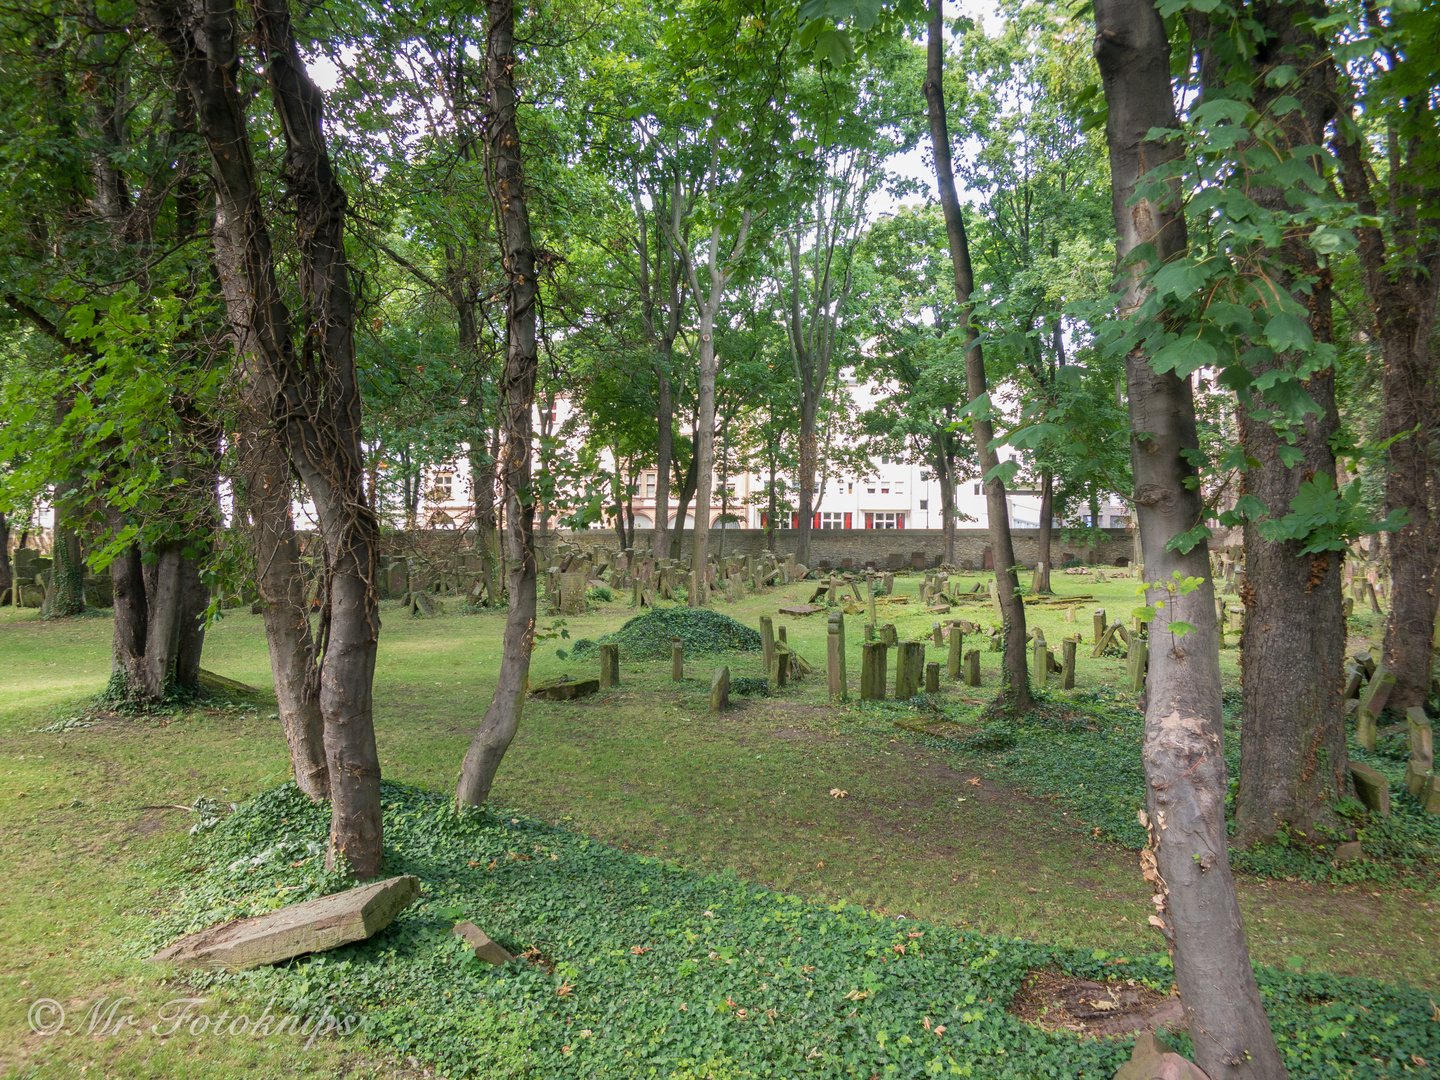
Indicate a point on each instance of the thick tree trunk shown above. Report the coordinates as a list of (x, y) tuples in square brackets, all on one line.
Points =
[(313, 397), (1400, 267), (194, 602), (127, 587), (1187, 861), (162, 629), (1015, 697), (65, 596), (687, 492), (1293, 757), (507, 189), (1047, 502), (294, 658)]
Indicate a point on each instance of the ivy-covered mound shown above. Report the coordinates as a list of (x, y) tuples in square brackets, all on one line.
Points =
[(642, 969), (1084, 751), (700, 630)]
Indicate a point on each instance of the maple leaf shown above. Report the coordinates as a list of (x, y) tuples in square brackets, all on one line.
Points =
[(974, 780), (836, 793)]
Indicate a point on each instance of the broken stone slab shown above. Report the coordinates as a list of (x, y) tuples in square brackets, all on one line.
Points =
[(1371, 788), (1349, 852), (1372, 703), (801, 609), (1153, 1059), (566, 689), (310, 927), (486, 948)]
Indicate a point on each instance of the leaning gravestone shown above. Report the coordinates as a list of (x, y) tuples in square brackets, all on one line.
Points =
[(1372, 703), (720, 690), (314, 926), (1371, 788)]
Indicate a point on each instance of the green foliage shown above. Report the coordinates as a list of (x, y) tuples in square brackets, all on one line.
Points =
[(645, 969), (750, 685), (601, 593), (700, 630), (1084, 752)]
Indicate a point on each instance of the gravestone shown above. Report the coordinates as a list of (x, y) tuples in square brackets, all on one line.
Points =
[(1067, 669), (485, 948), (1371, 788), (932, 678), (835, 658), (870, 583), (889, 635), (767, 642), (310, 927), (909, 669), (1372, 703), (782, 668), (565, 689), (888, 584), (956, 657), (1139, 658), (937, 635), (972, 668), (572, 592), (720, 690), (995, 600), (1070, 614), (1422, 750), (609, 665), (677, 660), (873, 664), (1040, 665)]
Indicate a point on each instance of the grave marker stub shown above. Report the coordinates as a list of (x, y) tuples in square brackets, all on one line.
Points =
[(720, 690), (956, 657), (609, 665), (1067, 671), (677, 661), (873, 663), (972, 668)]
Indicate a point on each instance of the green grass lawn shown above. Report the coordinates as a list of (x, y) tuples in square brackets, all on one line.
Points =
[(925, 828)]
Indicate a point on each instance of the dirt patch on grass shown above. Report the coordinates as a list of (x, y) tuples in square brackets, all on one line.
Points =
[(1057, 1002)]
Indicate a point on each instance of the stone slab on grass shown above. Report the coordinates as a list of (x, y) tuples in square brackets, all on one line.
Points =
[(486, 948), (566, 689), (1371, 788), (310, 927), (801, 609)]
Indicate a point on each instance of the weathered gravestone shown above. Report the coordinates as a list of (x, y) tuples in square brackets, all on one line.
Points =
[(565, 689), (1422, 750), (873, 662), (909, 669), (956, 656), (1372, 703), (485, 947), (932, 677), (1067, 670), (677, 661), (720, 690), (314, 926), (1371, 788), (972, 668), (609, 665), (572, 592)]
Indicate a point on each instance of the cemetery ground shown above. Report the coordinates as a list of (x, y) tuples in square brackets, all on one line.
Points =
[(977, 832)]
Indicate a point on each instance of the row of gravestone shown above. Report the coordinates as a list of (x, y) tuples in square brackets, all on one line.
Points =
[(31, 577), (567, 585), (1367, 690)]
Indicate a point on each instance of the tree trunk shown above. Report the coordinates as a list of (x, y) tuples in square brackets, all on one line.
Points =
[(162, 628), (1187, 861), (7, 578), (1401, 274), (486, 527), (65, 595), (1293, 757), (265, 473), (704, 457), (945, 474), (507, 190), (127, 587), (687, 492), (190, 643), (1047, 501), (664, 451), (1015, 697), (313, 397)]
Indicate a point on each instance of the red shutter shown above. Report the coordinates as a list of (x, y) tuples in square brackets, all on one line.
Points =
[(794, 521), (817, 520), (869, 521), (847, 520), (899, 521)]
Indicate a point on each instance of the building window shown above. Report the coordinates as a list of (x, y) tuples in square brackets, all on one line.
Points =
[(834, 521), (870, 491), (1120, 521), (977, 489), (444, 487), (924, 504), (850, 488), (782, 520), (649, 485), (884, 521)]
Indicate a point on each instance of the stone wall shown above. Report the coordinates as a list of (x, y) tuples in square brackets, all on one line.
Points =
[(882, 548)]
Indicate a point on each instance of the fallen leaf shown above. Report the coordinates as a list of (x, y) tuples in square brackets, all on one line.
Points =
[(639, 950), (974, 780), (565, 989), (836, 793)]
